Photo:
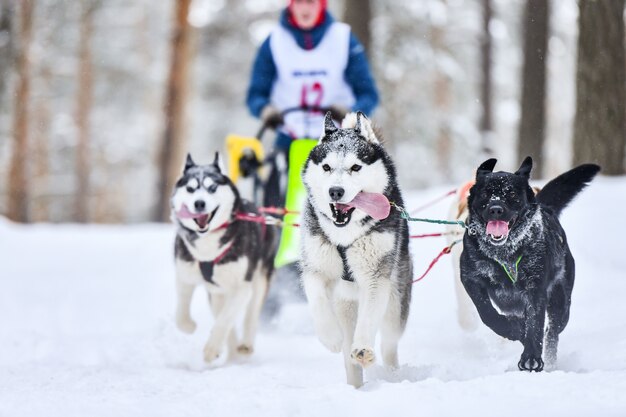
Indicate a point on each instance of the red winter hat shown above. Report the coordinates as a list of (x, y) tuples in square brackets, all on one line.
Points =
[(320, 17), (322, 2)]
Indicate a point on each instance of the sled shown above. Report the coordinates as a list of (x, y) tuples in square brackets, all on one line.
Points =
[(295, 194), (235, 146), (289, 248)]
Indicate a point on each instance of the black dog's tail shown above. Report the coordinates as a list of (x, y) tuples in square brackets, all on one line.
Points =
[(559, 192)]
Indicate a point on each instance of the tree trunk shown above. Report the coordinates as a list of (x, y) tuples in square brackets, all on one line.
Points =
[(358, 14), (41, 152), (442, 100), (18, 186), (599, 125), (83, 110), (486, 124), (173, 142), (7, 13), (532, 123)]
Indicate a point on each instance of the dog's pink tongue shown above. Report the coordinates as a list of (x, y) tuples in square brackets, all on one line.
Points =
[(374, 204), (497, 228), (184, 213)]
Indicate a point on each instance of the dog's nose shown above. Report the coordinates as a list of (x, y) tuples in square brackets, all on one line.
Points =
[(496, 210), (199, 205), (336, 193)]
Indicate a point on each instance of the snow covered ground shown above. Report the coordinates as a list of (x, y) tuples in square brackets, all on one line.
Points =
[(86, 329)]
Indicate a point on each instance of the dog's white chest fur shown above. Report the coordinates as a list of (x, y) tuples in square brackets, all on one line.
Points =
[(225, 277), (207, 247)]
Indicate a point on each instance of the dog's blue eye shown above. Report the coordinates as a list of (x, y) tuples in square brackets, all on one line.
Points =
[(356, 168), (326, 167)]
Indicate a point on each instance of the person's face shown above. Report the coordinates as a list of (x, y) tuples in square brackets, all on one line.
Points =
[(305, 12)]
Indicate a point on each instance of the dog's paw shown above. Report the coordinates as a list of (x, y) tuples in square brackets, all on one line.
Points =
[(245, 350), (330, 335), (530, 363), (186, 325), (211, 353), (363, 356)]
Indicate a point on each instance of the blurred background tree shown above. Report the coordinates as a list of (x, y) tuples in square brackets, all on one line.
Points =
[(174, 140), (19, 187), (600, 124), (533, 120)]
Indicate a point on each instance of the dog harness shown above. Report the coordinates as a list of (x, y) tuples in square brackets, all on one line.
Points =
[(512, 274), (206, 267), (347, 273)]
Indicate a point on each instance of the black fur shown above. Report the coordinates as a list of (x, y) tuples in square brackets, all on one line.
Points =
[(541, 284), (559, 192)]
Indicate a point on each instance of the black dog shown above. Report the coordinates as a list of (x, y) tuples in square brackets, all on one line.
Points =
[(516, 256)]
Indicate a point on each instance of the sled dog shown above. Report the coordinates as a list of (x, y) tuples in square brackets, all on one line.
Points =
[(215, 248), (356, 265), (467, 317), (516, 265)]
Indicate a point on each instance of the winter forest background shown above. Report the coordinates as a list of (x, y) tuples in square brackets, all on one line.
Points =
[(99, 100)]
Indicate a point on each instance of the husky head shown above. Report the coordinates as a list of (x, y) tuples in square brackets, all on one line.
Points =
[(499, 201), (347, 164), (203, 197)]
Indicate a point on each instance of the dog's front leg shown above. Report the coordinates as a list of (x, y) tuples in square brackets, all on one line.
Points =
[(371, 260), (374, 295), (319, 295), (184, 292), (225, 320), (535, 313), (504, 326)]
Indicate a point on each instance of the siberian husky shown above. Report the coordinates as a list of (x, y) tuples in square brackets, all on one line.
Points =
[(231, 257), (356, 265), (516, 265)]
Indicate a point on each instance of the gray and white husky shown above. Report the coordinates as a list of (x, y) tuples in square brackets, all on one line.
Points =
[(232, 258), (356, 266)]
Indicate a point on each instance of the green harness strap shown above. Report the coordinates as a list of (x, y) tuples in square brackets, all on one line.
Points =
[(512, 277)]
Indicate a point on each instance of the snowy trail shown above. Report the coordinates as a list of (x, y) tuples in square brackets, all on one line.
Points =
[(86, 328)]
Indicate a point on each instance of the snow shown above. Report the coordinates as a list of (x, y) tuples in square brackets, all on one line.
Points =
[(86, 328)]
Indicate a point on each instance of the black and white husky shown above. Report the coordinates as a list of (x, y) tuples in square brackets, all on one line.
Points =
[(215, 247), (516, 264), (356, 266)]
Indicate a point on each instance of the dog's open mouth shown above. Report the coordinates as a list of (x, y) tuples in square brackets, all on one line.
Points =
[(374, 204), (201, 219), (341, 213), (498, 230)]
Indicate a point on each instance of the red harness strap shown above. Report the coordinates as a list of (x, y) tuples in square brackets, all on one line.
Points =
[(206, 267), (255, 218), (445, 251), (277, 210)]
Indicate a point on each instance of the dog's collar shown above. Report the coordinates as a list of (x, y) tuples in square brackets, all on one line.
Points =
[(510, 272), (222, 226)]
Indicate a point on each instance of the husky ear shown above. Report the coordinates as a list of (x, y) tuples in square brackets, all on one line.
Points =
[(329, 125), (216, 162), (525, 168), (364, 128), (189, 162), (486, 167), (358, 126)]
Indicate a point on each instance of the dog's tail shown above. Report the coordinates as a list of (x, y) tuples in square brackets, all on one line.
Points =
[(559, 192)]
